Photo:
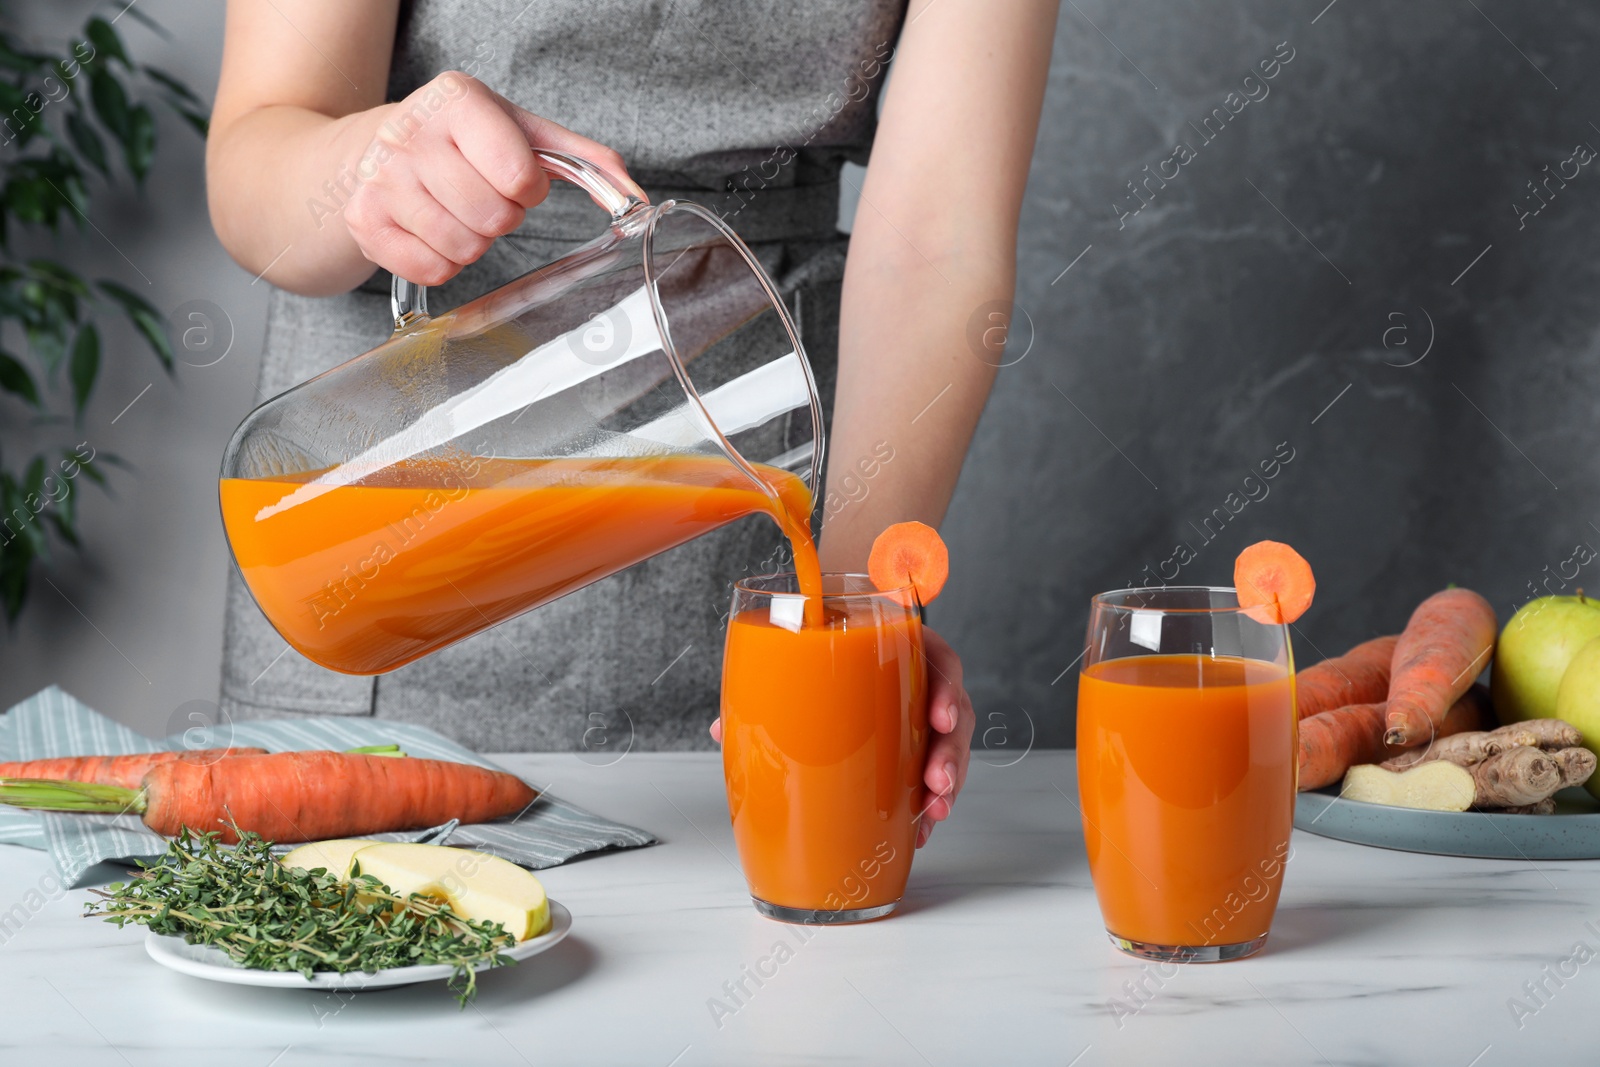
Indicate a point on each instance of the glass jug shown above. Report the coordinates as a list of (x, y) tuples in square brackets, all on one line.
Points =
[(645, 388)]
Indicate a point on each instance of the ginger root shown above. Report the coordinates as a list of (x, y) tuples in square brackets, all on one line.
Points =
[(1515, 769), (1547, 806), (1515, 778), (1577, 764), (1473, 747)]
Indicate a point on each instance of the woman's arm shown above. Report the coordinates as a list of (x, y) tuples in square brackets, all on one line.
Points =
[(935, 242), (933, 252), (313, 180)]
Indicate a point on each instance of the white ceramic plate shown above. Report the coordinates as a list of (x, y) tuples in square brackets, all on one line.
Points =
[(204, 961)]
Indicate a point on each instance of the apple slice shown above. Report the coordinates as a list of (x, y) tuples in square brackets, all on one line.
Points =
[(477, 885), (334, 856)]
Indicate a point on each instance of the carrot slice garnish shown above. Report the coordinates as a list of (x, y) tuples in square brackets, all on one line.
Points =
[(1274, 582), (909, 553)]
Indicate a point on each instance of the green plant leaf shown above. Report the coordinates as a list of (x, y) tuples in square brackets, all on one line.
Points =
[(172, 85), (31, 531), (64, 525), (70, 191), (110, 101), (14, 58), (150, 23), (49, 342), (146, 319), (94, 473), (139, 146), (85, 365), (196, 119), (18, 114), (29, 201), (60, 276), (105, 40), (14, 378), (33, 481), (65, 514), (15, 562), (87, 142)]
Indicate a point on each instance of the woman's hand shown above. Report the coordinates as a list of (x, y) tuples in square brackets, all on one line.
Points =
[(951, 719), (313, 177), (450, 168)]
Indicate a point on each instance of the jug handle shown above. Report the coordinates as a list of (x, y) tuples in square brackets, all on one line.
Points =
[(409, 301)]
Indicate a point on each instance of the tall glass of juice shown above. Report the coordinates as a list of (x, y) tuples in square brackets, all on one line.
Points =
[(824, 732), (1187, 755)]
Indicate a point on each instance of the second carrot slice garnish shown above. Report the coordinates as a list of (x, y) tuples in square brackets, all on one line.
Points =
[(909, 553), (1274, 582)]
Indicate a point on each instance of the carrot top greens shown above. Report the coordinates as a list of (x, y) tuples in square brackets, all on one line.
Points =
[(276, 918)]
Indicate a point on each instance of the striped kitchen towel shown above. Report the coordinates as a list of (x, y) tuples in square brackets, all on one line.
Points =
[(54, 723)]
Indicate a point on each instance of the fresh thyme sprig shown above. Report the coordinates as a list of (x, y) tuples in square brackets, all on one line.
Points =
[(276, 918)]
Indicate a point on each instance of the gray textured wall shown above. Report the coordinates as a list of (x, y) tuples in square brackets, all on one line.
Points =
[(1254, 291), (1174, 356)]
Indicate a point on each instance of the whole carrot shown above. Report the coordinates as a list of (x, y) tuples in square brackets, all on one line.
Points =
[(1331, 742), (293, 796), (127, 771), (1360, 676), (1443, 648)]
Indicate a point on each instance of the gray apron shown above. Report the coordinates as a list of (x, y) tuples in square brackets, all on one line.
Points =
[(748, 108)]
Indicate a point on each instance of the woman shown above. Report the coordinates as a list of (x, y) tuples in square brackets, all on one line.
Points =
[(750, 109)]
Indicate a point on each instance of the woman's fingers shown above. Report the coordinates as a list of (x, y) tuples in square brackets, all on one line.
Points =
[(420, 214), (716, 729), (467, 195), (391, 246), (951, 718), (540, 132), (452, 168), (494, 143)]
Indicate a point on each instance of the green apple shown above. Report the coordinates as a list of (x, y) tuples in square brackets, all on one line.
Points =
[(1578, 701), (1533, 653), (477, 885)]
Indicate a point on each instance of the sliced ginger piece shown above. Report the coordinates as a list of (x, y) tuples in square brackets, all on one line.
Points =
[(1434, 786)]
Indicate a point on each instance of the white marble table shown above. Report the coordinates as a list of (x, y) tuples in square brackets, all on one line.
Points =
[(1376, 957)]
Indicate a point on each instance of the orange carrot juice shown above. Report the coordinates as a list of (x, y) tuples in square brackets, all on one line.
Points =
[(367, 576), (824, 735), (1186, 771)]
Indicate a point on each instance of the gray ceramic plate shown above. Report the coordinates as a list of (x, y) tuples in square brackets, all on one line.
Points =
[(1572, 833)]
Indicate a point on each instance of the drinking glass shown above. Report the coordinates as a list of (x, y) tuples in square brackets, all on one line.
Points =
[(1187, 756), (824, 733)]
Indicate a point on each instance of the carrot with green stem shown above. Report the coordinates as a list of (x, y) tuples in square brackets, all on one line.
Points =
[(1445, 645), (1360, 676), (292, 796), (126, 770)]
